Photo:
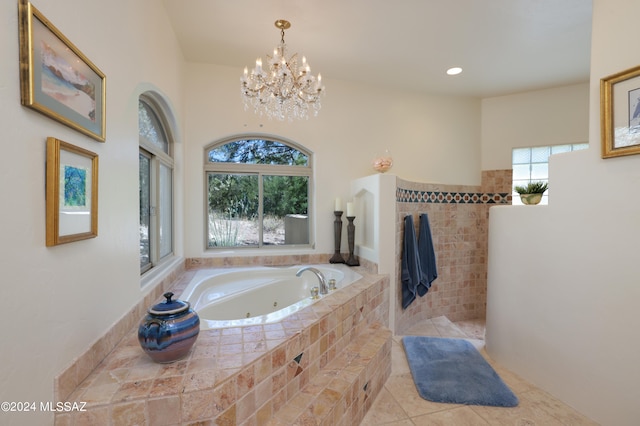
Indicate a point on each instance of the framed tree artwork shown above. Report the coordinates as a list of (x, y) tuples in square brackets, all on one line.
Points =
[(72, 193)]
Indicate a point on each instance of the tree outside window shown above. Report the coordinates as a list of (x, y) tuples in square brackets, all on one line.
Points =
[(155, 183), (258, 193)]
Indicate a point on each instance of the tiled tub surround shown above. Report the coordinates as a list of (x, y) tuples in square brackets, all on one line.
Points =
[(458, 218), (78, 370), (285, 260), (327, 361)]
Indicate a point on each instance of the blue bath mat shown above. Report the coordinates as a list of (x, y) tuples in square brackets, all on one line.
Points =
[(453, 371)]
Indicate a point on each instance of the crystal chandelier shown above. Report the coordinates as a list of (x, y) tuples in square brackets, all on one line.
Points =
[(285, 88)]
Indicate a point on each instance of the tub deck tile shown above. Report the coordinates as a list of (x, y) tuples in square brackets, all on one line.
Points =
[(344, 386), (310, 363)]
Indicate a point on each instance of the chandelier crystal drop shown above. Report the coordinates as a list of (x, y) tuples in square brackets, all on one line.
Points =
[(284, 87)]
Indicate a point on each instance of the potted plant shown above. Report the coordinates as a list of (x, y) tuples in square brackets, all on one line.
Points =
[(532, 192)]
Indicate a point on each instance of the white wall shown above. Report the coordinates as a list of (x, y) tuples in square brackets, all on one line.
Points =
[(59, 300), (432, 139), (543, 117), (375, 238), (571, 325)]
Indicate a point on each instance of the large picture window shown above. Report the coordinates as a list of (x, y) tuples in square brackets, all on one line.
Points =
[(156, 184), (258, 193)]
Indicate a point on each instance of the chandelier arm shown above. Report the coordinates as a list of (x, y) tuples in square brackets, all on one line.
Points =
[(275, 87), (256, 88), (307, 86)]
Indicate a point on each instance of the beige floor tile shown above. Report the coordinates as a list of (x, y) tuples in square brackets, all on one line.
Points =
[(399, 403), (451, 330), (399, 364), (556, 408), (526, 414), (462, 416), (405, 422), (472, 328), (384, 410), (404, 391), (516, 383), (425, 328)]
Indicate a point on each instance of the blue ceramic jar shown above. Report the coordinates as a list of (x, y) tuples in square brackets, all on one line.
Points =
[(168, 330)]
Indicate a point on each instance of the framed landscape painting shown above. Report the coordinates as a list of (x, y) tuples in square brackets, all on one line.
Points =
[(56, 79), (620, 113), (72, 193)]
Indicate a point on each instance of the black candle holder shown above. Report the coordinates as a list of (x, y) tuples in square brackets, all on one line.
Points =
[(337, 234), (351, 236)]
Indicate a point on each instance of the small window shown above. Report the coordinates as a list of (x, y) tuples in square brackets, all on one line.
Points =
[(532, 165), (258, 193)]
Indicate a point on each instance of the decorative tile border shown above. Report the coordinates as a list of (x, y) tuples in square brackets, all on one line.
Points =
[(448, 197)]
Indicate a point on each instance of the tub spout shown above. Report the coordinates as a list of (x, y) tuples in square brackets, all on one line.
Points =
[(323, 282)]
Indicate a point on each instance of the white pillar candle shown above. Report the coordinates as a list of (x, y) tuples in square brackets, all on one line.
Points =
[(338, 207), (350, 210)]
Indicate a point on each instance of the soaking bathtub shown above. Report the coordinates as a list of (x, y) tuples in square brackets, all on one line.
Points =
[(232, 297)]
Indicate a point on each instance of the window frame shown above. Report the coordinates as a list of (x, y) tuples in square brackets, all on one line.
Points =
[(515, 197), (150, 223), (260, 170), (158, 157)]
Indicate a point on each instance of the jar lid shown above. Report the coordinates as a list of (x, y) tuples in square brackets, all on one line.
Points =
[(169, 307)]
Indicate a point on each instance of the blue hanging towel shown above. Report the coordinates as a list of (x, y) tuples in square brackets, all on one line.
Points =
[(410, 274), (427, 257)]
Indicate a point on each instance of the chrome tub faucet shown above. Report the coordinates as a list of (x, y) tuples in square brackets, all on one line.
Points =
[(324, 289)]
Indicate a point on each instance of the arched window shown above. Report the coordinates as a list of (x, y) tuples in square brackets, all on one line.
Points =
[(258, 193), (156, 183)]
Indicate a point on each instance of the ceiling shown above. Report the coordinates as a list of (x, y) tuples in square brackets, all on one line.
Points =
[(503, 46)]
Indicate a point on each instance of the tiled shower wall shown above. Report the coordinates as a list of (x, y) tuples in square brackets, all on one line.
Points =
[(458, 218)]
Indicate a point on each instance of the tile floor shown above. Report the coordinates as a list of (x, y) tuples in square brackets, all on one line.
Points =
[(399, 404)]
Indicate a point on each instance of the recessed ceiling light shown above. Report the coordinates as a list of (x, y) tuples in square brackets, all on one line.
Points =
[(454, 71)]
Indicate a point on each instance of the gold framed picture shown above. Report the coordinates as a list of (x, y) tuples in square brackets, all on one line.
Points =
[(620, 113), (72, 193), (56, 79)]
